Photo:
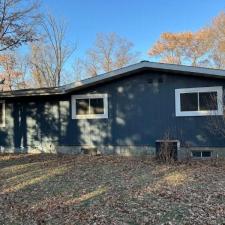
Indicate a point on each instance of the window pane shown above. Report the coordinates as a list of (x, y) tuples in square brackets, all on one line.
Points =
[(97, 106), (196, 154), (82, 106), (189, 101), (208, 100), (206, 154)]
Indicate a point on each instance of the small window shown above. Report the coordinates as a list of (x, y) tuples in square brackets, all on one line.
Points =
[(201, 154), (82, 106), (2, 113), (208, 101), (196, 154), (91, 106), (189, 102), (206, 154), (199, 101), (97, 106)]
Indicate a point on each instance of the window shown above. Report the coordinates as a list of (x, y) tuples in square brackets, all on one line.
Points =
[(2, 113), (208, 101), (91, 106), (201, 154), (82, 106), (201, 101), (189, 102), (97, 106)]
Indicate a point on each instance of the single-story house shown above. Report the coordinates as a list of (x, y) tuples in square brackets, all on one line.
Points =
[(120, 112)]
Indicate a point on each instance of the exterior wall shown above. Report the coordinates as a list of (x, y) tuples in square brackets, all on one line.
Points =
[(141, 110), (216, 152)]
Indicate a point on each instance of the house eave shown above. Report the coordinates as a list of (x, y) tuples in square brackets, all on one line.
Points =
[(119, 73), (31, 92), (171, 68)]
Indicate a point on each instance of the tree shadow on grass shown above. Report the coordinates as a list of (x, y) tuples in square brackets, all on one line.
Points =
[(7, 160), (83, 189), (32, 189)]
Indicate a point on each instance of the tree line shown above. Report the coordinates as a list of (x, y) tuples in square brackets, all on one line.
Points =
[(205, 47), (43, 62)]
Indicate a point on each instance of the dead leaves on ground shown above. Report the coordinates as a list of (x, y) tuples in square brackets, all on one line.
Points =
[(48, 189)]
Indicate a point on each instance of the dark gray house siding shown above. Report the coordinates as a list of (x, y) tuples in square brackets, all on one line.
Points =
[(141, 110)]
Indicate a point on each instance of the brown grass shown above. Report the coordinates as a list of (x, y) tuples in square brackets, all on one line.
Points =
[(48, 189)]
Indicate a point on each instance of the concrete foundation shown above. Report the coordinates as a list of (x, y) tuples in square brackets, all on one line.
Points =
[(105, 150), (183, 153), (216, 152)]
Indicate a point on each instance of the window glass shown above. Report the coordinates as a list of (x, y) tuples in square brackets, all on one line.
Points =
[(208, 100), (90, 106), (189, 101), (196, 154), (203, 154), (206, 154), (96, 106), (199, 101), (82, 106)]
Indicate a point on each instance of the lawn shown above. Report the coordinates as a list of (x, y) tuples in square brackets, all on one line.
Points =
[(47, 189)]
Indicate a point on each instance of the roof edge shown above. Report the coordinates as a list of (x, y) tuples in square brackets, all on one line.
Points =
[(197, 71), (217, 73)]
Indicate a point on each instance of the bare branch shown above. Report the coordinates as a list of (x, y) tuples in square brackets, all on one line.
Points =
[(17, 23), (110, 52), (50, 53)]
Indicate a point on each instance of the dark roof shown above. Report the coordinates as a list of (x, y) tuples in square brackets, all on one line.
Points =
[(32, 92), (143, 65)]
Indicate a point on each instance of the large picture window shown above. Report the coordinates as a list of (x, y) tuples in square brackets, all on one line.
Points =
[(200, 101), (91, 106), (2, 113)]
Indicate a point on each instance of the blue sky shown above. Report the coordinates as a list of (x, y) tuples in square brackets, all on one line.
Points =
[(140, 21)]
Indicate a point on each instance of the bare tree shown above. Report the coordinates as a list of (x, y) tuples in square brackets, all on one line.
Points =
[(109, 52), (17, 22), (13, 68), (78, 68), (50, 53), (23, 81)]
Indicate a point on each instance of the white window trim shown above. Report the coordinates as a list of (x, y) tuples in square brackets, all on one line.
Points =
[(90, 116), (3, 113), (219, 111)]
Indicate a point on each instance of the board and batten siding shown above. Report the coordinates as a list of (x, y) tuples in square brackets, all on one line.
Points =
[(141, 110)]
